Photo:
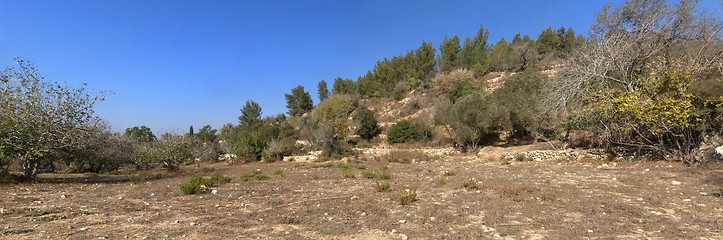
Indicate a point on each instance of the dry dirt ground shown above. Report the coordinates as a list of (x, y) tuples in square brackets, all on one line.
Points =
[(556, 199)]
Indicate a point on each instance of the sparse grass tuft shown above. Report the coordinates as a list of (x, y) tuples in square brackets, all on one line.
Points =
[(347, 173), (324, 165), (254, 175), (409, 196), (279, 173), (360, 167), (382, 187), (384, 174), (448, 173), (369, 174), (441, 181), (220, 179), (343, 166), (471, 184), (505, 162), (90, 174)]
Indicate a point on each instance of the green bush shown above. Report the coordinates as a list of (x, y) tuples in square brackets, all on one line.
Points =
[(278, 149), (254, 175), (195, 185), (402, 132), (220, 179), (367, 126)]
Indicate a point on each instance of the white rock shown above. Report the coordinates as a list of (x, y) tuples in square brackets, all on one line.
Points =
[(675, 182), (402, 221), (589, 231), (403, 236), (214, 191)]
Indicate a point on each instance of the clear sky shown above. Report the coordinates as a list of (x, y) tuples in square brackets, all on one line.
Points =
[(171, 64)]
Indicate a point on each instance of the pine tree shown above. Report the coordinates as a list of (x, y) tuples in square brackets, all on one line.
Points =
[(299, 101), (449, 50), (323, 91), (250, 114)]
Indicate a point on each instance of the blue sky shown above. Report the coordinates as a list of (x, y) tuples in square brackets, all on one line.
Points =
[(171, 64)]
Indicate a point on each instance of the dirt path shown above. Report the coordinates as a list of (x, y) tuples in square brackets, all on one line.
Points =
[(563, 199)]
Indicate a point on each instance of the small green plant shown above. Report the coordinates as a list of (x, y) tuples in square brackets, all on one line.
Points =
[(505, 162), (384, 174), (441, 181), (90, 174), (523, 158), (324, 165), (448, 173), (409, 196), (254, 175), (220, 179), (196, 185), (360, 167), (343, 166), (279, 173), (471, 184), (382, 187), (347, 173), (207, 169), (369, 175)]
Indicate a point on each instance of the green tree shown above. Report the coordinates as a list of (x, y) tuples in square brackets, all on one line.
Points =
[(206, 134), (424, 61), (141, 133), (367, 126), (402, 132), (41, 121), (500, 57), (344, 86), (250, 114), (449, 50), (190, 131), (323, 91), (299, 101)]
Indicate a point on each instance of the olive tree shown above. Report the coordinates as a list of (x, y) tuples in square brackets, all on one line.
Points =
[(631, 83), (41, 121)]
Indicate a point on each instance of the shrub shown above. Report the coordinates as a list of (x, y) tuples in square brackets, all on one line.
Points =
[(369, 174), (195, 185), (220, 179), (337, 107), (402, 132), (367, 126), (471, 184), (440, 181), (348, 173), (384, 173), (254, 175), (409, 196), (382, 187), (276, 150)]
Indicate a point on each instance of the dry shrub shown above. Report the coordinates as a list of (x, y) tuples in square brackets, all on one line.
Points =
[(407, 156), (445, 81)]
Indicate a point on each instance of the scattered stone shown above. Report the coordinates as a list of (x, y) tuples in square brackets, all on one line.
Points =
[(589, 231), (675, 182), (192, 223), (214, 191), (402, 221)]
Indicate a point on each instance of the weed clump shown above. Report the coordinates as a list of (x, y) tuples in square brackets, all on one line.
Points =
[(347, 173), (382, 187), (471, 184), (409, 196), (369, 174), (279, 173), (196, 185), (254, 175)]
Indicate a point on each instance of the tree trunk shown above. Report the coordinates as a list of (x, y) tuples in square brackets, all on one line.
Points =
[(30, 169)]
